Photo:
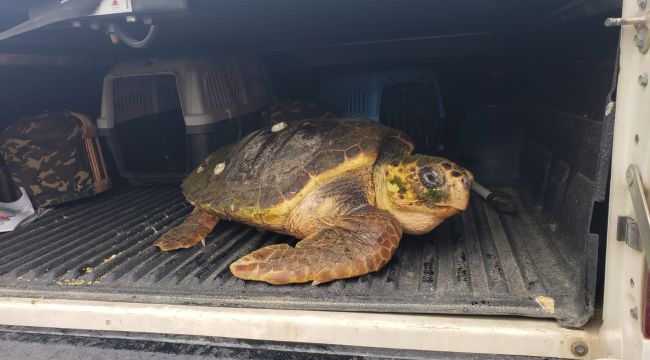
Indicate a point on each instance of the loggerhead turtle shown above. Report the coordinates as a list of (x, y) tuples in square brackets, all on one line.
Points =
[(347, 187)]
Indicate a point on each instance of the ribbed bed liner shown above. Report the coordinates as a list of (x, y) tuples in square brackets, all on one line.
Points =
[(479, 263)]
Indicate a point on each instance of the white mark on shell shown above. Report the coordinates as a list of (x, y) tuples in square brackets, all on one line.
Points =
[(218, 169), (200, 169), (279, 127)]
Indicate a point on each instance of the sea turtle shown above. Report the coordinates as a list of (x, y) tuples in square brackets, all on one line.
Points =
[(347, 187)]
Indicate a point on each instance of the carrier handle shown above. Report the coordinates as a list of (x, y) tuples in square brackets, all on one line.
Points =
[(95, 156)]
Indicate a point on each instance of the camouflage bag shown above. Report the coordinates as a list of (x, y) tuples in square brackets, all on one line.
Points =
[(55, 156)]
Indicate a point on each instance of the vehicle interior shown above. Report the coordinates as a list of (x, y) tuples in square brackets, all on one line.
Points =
[(514, 91)]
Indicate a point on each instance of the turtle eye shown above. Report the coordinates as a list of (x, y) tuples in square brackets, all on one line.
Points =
[(431, 178)]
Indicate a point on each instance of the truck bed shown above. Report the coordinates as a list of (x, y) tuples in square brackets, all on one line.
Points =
[(481, 262)]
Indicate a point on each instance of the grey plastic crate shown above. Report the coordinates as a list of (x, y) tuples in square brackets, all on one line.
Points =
[(162, 117)]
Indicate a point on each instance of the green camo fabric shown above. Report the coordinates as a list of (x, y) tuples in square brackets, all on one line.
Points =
[(47, 156)]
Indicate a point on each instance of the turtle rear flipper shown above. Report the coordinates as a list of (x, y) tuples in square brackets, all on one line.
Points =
[(194, 229), (354, 245)]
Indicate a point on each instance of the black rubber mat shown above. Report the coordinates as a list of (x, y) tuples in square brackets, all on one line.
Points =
[(479, 263)]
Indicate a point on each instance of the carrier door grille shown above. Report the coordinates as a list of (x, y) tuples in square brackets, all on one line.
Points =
[(413, 108)]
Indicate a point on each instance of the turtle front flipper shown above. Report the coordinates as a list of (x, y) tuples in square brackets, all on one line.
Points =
[(194, 229), (352, 245)]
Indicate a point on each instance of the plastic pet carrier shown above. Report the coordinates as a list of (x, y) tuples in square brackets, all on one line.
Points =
[(162, 117), (408, 100)]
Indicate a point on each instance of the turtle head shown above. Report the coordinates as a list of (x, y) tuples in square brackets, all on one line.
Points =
[(422, 191)]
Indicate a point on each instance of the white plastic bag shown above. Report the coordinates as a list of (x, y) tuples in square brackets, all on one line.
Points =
[(12, 214)]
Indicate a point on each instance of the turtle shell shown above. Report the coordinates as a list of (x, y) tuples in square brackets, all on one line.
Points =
[(259, 179)]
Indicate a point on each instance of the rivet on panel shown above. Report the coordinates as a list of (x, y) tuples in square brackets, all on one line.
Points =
[(629, 176), (579, 348), (643, 79)]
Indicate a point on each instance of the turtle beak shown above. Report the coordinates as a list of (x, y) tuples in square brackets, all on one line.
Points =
[(461, 192), (461, 204)]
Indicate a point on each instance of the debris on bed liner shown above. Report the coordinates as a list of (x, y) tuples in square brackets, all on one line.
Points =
[(110, 258)]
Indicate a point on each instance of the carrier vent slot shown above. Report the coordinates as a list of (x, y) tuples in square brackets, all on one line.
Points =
[(216, 88)]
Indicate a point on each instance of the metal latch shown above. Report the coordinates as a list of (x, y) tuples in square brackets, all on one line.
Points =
[(627, 230), (640, 205), (640, 23)]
